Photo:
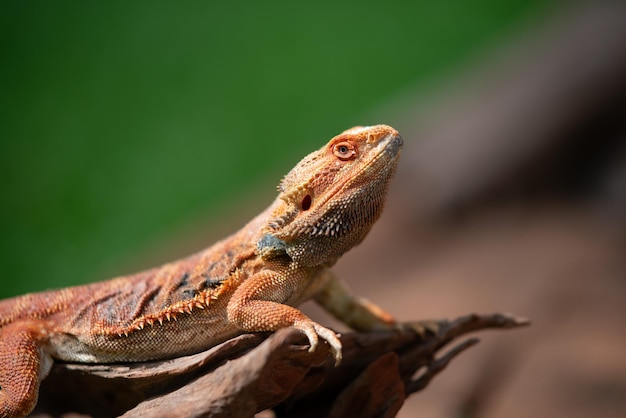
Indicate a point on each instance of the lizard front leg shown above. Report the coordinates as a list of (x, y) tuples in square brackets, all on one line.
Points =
[(22, 366), (358, 313), (257, 306)]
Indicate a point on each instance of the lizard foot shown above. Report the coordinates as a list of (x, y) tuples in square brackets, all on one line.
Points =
[(421, 328), (313, 331)]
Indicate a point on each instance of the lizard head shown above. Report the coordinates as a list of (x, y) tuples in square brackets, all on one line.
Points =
[(330, 200)]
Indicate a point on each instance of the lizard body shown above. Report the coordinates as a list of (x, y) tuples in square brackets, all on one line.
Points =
[(249, 282)]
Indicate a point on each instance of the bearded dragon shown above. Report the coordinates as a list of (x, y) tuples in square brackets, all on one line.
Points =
[(251, 281)]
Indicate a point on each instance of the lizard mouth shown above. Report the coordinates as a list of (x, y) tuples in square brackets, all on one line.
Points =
[(381, 162), (357, 193), (341, 216), (381, 159)]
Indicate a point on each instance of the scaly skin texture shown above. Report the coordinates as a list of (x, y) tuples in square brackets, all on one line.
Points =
[(249, 282)]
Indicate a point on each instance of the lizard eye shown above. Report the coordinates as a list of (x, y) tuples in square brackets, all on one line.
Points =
[(306, 203), (344, 150)]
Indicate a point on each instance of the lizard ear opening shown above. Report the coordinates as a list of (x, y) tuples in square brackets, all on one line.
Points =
[(306, 203)]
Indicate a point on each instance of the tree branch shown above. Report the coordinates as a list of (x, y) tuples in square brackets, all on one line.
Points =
[(254, 372)]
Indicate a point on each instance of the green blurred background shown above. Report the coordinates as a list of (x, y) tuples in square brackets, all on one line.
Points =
[(122, 122)]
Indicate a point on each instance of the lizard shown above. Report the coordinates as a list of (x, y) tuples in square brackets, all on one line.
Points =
[(251, 281)]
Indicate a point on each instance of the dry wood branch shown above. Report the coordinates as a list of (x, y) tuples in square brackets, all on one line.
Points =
[(251, 373)]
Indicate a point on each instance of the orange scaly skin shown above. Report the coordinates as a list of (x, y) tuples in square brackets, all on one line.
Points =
[(249, 282)]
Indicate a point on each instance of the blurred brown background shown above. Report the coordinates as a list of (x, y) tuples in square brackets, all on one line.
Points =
[(514, 199), (510, 196)]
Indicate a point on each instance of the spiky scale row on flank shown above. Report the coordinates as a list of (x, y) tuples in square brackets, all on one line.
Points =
[(249, 282), (200, 301)]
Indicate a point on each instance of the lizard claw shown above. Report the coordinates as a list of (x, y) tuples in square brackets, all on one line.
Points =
[(421, 328), (313, 331)]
